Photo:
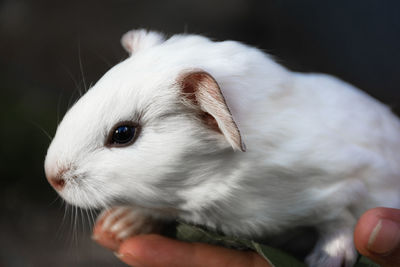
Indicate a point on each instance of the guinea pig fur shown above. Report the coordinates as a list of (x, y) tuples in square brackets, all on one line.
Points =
[(227, 138)]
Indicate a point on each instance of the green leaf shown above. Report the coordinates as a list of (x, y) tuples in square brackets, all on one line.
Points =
[(365, 262), (274, 257), (186, 232)]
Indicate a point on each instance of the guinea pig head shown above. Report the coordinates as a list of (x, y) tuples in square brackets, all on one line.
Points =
[(141, 135)]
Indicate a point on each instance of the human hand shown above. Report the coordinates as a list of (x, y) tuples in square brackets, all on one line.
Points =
[(155, 250), (377, 236)]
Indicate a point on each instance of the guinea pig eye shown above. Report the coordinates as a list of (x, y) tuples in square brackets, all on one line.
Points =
[(122, 135)]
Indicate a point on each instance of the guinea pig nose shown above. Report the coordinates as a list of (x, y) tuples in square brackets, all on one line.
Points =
[(57, 180), (57, 183)]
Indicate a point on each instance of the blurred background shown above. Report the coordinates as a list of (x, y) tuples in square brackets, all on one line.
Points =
[(49, 50)]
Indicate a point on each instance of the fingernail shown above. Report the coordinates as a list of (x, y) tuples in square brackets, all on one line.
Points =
[(118, 255), (385, 237), (95, 237), (128, 259)]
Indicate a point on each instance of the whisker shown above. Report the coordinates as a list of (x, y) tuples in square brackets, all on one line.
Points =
[(71, 98), (71, 76), (102, 58), (65, 210), (75, 231), (42, 129), (87, 217), (69, 210), (92, 217), (82, 220), (54, 201), (81, 67), (77, 88), (58, 233), (89, 214), (58, 107)]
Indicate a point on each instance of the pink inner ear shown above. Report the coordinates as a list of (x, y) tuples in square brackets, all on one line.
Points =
[(190, 90), (210, 121), (190, 85), (203, 91)]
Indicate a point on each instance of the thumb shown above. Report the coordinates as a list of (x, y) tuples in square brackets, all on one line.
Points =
[(157, 251), (377, 236)]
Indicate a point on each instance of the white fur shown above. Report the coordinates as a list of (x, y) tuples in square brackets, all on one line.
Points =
[(319, 151)]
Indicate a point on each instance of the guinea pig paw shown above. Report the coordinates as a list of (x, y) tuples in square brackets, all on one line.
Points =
[(115, 225), (333, 251)]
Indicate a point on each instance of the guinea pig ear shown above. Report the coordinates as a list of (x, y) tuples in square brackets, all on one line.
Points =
[(136, 40), (202, 92)]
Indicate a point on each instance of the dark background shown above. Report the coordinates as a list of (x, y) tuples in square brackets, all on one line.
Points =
[(49, 50)]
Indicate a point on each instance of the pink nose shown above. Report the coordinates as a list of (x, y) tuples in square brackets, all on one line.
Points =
[(57, 183), (57, 180)]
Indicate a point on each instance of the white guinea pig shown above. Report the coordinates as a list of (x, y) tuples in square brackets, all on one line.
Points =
[(218, 134)]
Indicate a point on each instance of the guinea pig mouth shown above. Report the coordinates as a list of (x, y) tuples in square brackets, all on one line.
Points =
[(78, 193), (79, 198)]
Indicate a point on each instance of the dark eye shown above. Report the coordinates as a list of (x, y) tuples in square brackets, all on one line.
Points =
[(123, 134)]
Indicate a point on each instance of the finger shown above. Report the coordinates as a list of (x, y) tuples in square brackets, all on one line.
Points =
[(377, 236), (158, 251)]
